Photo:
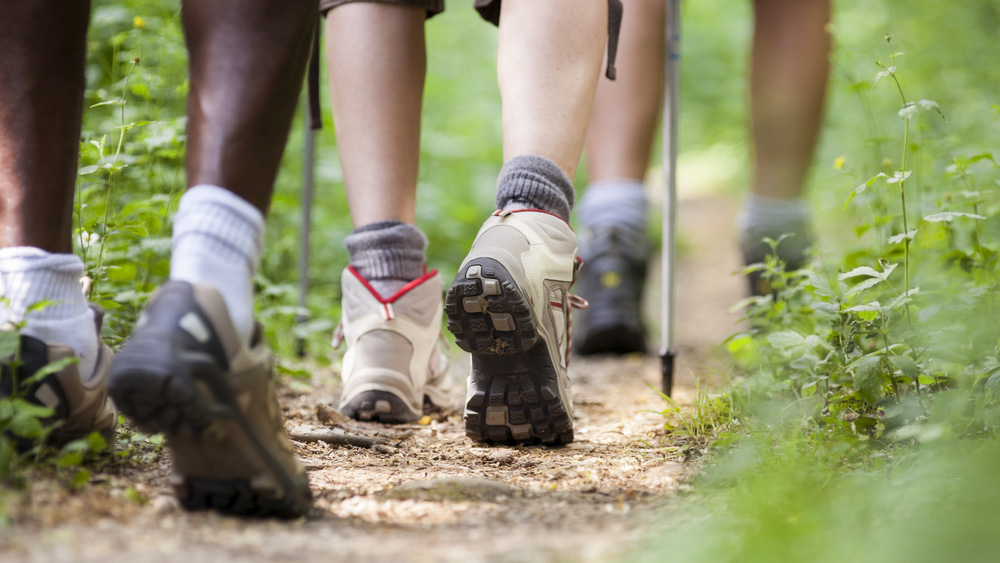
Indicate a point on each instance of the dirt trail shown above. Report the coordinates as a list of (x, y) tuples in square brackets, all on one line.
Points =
[(587, 501)]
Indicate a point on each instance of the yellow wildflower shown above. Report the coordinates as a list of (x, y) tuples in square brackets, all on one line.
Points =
[(839, 163), (138, 22)]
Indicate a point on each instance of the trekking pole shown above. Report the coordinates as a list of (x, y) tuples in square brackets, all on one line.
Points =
[(314, 122), (671, 115), (308, 160)]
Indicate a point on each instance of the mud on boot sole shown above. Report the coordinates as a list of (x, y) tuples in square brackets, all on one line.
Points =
[(193, 407), (513, 395)]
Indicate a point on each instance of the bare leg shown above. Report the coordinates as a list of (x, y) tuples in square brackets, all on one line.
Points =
[(247, 63), (377, 61), (627, 110), (41, 103), (548, 64), (789, 69)]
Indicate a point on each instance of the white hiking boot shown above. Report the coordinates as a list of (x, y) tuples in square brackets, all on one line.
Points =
[(394, 362), (510, 307)]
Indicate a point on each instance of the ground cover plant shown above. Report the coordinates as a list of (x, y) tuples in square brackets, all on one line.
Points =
[(864, 417), (867, 384)]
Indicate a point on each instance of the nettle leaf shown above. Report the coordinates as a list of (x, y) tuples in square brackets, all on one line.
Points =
[(899, 176), (896, 239), (860, 271), (903, 299), (874, 306), (875, 277), (868, 379), (867, 284), (88, 170), (786, 340), (949, 215), (906, 366)]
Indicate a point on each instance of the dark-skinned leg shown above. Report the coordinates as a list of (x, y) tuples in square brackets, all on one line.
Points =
[(192, 369), (42, 47), (247, 63)]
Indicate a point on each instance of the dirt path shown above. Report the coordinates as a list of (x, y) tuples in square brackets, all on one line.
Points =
[(429, 494)]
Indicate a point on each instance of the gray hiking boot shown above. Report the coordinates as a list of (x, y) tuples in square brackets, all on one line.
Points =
[(611, 279), (81, 405), (394, 364), (185, 373), (510, 307)]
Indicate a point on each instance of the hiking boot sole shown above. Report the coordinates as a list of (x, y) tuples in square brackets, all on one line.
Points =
[(514, 396), (379, 406), (189, 401)]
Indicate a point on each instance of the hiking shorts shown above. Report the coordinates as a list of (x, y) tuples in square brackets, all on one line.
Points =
[(489, 9)]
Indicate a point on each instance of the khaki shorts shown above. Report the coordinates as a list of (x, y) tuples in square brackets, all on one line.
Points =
[(489, 9)]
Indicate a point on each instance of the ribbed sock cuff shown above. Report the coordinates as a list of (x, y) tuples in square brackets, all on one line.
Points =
[(535, 182), (29, 276), (387, 250), (222, 224)]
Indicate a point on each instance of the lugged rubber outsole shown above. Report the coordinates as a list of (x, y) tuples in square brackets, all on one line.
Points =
[(379, 406), (514, 396), (191, 404)]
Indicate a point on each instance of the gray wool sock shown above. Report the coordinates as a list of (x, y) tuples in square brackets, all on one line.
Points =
[(389, 254), (535, 182), (615, 203)]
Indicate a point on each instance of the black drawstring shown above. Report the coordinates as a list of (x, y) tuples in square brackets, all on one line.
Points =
[(615, 10), (312, 83)]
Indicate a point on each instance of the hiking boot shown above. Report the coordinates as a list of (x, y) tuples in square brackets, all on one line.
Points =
[(792, 250), (81, 405), (394, 365), (611, 279), (185, 373), (510, 307)]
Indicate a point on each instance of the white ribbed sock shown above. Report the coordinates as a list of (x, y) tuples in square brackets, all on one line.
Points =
[(218, 241), (29, 276)]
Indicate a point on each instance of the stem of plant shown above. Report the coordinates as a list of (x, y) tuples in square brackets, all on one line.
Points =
[(902, 188), (113, 174)]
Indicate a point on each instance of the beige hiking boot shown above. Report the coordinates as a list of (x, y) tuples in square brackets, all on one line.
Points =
[(510, 307), (81, 405), (185, 373), (394, 364)]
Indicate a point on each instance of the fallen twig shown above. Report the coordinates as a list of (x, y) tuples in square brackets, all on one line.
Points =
[(338, 437)]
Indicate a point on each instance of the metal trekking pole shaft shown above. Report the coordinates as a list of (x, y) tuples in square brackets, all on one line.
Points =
[(308, 161), (671, 116)]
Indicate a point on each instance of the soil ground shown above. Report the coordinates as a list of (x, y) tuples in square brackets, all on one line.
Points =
[(431, 494)]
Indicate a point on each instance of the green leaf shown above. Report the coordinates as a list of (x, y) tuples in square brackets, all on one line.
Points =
[(874, 306), (88, 170), (868, 379), (949, 215), (786, 339), (898, 177), (24, 425), (860, 271), (52, 367), (896, 239), (906, 366), (40, 306), (909, 110), (9, 343)]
